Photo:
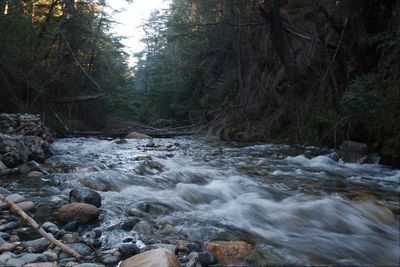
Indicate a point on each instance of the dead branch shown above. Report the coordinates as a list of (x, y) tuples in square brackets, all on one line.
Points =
[(14, 208)]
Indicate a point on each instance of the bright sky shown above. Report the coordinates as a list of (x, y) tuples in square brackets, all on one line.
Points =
[(129, 20)]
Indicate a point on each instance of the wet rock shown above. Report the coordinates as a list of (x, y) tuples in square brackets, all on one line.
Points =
[(136, 135), (5, 192), (149, 167), (92, 238), (84, 170), (41, 264), (128, 250), (229, 252), (8, 226), (143, 157), (151, 258), (31, 166), (50, 227), (185, 247), (27, 206), (362, 196), (353, 152), (103, 185), (204, 258), (25, 259), (37, 245), (143, 227), (14, 238), (72, 226), (85, 195), (129, 224), (121, 141), (155, 208), (80, 212), (150, 144)]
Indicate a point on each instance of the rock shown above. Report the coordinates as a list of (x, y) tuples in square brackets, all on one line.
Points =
[(129, 224), (110, 260), (84, 169), (157, 257), (37, 245), (31, 166), (162, 245), (89, 265), (229, 252), (150, 144), (2, 241), (8, 226), (51, 255), (136, 135), (70, 238), (34, 174), (143, 157), (121, 141), (3, 167), (14, 238), (80, 212), (8, 247), (143, 227), (41, 264), (27, 206), (81, 248), (16, 198), (154, 208), (5, 192), (149, 167), (25, 259), (185, 247), (5, 256), (72, 226), (128, 250), (4, 235), (353, 152), (92, 238), (24, 124), (50, 227), (85, 195), (16, 150)]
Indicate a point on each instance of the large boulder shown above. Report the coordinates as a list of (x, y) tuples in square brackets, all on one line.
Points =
[(230, 252), (81, 212), (153, 258), (17, 149), (353, 152), (85, 195), (136, 135)]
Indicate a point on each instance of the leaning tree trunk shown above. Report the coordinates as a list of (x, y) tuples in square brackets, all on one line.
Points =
[(283, 46)]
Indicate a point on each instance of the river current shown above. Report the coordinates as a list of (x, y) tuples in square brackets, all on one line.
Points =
[(296, 205)]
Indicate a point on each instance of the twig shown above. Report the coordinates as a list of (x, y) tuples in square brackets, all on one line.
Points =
[(14, 208), (337, 49)]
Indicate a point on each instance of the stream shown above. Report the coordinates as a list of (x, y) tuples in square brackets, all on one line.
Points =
[(296, 205)]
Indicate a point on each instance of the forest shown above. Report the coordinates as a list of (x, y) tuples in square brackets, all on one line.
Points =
[(306, 72)]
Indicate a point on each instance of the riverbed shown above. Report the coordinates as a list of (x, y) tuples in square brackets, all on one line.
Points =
[(295, 204)]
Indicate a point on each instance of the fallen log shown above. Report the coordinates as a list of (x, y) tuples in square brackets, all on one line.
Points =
[(78, 98), (14, 208)]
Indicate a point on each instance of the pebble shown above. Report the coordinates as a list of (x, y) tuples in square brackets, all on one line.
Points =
[(13, 238), (37, 245), (110, 260), (51, 255), (8, 226), (50, 227)]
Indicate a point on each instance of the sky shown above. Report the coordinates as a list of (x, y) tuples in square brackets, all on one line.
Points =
[(130, 18)]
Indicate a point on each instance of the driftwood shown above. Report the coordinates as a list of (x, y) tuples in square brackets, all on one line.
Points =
[(14, 208)]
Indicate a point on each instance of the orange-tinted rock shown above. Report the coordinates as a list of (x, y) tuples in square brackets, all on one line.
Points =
[(230, 252), (81, 212), (152, 258), (41, 264)]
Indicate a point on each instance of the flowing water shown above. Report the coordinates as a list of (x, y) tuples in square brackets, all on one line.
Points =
[(295, 204)]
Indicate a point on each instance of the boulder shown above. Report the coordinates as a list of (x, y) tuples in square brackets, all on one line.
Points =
[(152, 258), (85, 195), (136, 135), (229, 252), (80, 212), (353, 152), (17, 149)]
